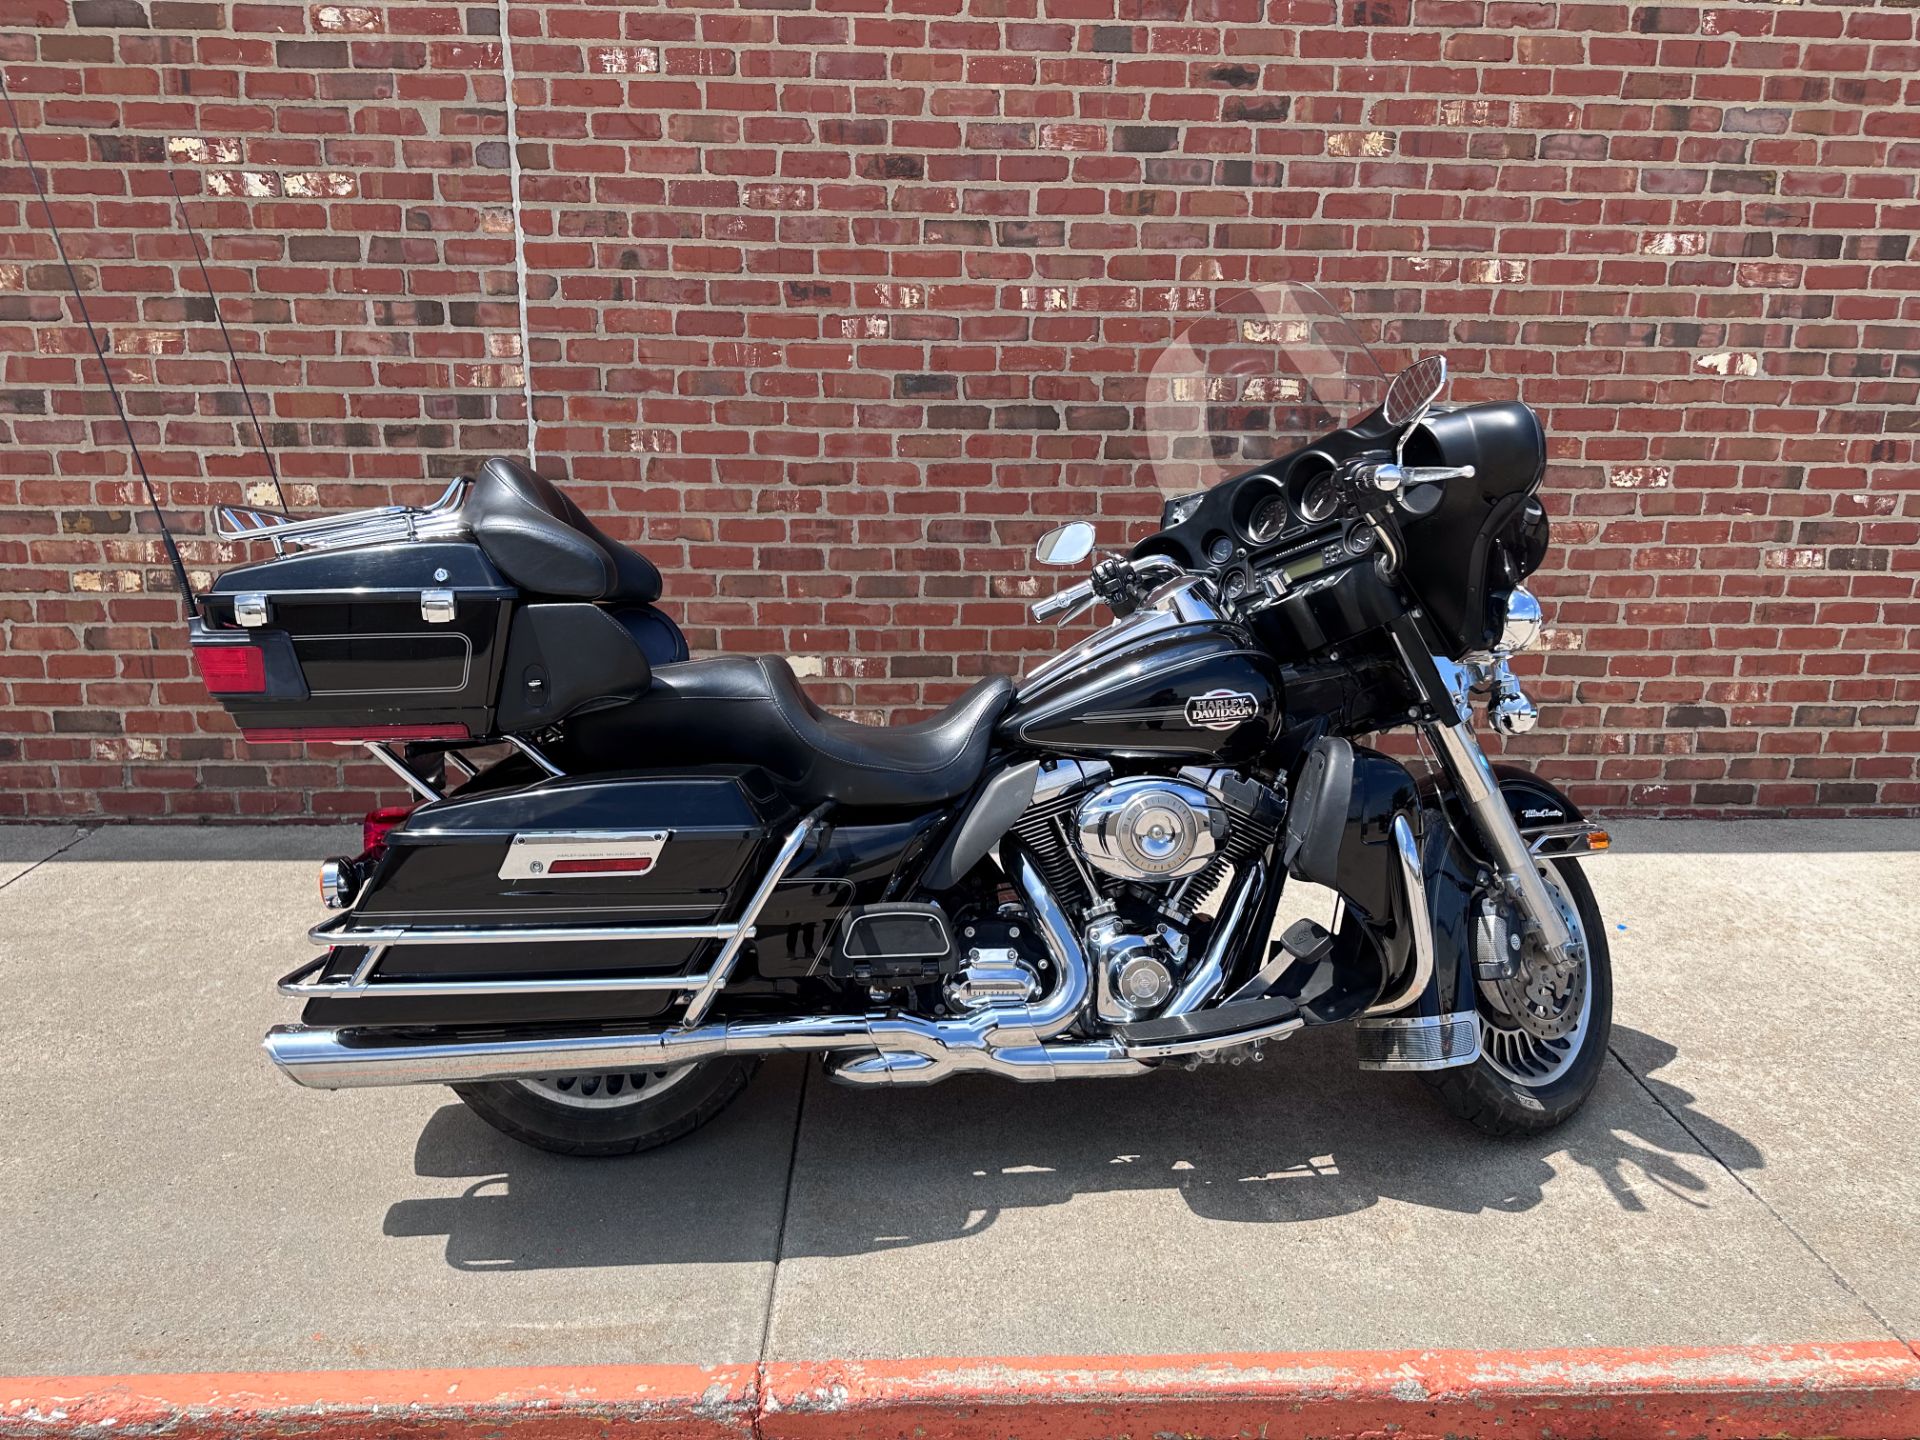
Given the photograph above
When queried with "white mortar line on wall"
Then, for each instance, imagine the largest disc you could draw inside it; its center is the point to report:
(519, 235)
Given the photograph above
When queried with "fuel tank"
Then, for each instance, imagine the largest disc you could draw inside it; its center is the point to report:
(1152, 687)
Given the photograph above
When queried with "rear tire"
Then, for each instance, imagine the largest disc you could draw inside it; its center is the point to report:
(1516, 1088)
(609, 1114)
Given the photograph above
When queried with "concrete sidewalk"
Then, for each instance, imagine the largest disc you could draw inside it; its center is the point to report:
(1744, 1175)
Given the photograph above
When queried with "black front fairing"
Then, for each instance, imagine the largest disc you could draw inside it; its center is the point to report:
(1485, 534)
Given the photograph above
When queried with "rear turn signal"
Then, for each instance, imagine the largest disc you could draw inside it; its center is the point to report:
(1598, 840)
(231, 669)
(339, 882)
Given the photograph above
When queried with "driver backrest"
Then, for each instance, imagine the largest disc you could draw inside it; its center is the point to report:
(545, 544)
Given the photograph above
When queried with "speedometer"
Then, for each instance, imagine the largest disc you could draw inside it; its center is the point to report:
(1320, 499)
(1268, 520)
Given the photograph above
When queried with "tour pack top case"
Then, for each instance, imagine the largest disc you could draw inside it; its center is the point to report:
(499, 607)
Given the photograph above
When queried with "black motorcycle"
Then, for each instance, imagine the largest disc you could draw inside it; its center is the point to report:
(630, 874)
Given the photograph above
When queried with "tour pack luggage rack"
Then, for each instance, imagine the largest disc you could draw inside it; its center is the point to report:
(441, 520)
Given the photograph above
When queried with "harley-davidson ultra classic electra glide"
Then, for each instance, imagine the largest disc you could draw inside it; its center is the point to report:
(673, 867)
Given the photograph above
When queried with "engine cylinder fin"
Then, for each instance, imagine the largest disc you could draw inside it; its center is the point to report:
(1254, 811)
(1041, 834)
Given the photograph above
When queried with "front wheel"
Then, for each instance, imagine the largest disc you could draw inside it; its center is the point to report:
(1544, 1033)
(608, 1114)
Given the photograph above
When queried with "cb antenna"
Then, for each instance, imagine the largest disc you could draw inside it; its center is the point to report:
(99, 352)
(233, 360)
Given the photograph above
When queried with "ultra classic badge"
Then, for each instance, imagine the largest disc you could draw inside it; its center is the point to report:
(1221, 709)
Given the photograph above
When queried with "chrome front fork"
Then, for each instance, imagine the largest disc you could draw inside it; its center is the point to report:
(1459, 751)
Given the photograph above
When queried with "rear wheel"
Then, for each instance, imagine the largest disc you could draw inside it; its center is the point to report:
(608, 1114)
(1544, 1032)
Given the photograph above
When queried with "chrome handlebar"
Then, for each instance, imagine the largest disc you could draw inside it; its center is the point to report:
(1384, 476)
(1393, 478)
(1065, 603)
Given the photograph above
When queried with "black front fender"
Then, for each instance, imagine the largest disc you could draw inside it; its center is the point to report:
(1535, 804)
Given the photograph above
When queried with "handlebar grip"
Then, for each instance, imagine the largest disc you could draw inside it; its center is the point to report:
(1062, 602)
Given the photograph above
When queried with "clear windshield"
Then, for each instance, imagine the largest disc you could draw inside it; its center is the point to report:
(1269, 370)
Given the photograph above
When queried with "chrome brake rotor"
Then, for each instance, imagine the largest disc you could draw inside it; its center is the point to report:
(1533, 1022)
(1541, 996)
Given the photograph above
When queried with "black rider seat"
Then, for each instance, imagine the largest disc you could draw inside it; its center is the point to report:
(546, 545)
(744, 709)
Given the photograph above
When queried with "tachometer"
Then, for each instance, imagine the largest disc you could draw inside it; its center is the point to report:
(1320, 500)
(1268, 521)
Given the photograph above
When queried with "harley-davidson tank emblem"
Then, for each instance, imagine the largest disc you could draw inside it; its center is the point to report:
(1221, 709)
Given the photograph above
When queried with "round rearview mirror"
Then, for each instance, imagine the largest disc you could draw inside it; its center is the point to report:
(1065, 545)
(1414, 390)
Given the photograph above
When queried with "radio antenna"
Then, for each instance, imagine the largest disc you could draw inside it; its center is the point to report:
(99, 352)
(233, 360)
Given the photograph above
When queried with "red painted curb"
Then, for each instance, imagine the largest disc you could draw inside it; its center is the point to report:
(653, 1402)
(1793, 1392)
(1861, 1392)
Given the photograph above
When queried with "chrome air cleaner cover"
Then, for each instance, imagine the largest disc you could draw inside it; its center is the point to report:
(1148, 828)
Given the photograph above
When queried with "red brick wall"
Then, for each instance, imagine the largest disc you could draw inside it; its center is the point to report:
(833, 308)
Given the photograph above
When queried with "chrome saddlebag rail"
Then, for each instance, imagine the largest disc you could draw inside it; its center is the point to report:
(378, 939)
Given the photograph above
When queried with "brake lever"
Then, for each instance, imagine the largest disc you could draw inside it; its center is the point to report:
(1435, 474)
(1392, 478)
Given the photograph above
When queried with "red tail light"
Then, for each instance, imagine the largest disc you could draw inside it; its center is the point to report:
(232, 669)
(373, 829)
(604, 865)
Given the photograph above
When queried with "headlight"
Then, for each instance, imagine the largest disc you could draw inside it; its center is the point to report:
(1524, 621)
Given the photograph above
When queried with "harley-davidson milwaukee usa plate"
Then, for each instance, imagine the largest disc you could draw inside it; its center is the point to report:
(1221, 709)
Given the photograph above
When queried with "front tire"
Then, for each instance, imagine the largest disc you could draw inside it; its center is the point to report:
(1522, 1085)
(616, 1114)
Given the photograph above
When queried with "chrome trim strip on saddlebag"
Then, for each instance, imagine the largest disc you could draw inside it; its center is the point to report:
(581, 854)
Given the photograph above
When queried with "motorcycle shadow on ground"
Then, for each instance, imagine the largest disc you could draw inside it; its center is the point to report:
(1300, 1138)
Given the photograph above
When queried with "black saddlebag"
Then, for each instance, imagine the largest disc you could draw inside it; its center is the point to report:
(639, 850)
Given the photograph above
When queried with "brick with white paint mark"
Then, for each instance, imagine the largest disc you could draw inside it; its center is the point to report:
(320, 184)
(625, 60)
(1045, 297)
(204, 149)
(1796, 558)
(1728, 362)
(1640, 477)
(1673, 242)
(346, 19)
(1496, 272)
